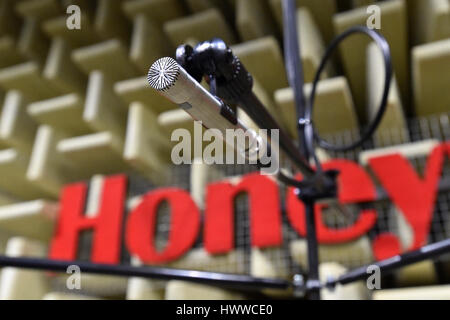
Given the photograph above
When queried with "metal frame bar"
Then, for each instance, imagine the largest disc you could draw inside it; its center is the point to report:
(235, 281)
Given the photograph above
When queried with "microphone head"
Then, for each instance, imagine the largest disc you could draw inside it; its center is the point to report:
(163, 74)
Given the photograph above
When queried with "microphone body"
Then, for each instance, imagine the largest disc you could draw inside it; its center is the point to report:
(176, 84)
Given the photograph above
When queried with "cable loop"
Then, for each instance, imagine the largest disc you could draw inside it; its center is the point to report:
(384, 47)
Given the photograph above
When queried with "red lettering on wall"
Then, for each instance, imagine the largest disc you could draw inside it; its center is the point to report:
(106, 224)
(386, 245)
(264, 211)
(414, 196)
(354, 185)
(184, 226)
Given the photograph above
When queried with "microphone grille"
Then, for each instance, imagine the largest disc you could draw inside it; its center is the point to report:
(163, 73)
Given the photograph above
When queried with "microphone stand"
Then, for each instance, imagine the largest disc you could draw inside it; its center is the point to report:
(230, 81)
(306, 193)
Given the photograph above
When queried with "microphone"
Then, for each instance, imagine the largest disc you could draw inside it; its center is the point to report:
(176, 84)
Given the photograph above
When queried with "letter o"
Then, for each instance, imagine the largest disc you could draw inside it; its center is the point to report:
(184, 226)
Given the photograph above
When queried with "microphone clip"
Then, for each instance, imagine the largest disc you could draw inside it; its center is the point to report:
(222, 70)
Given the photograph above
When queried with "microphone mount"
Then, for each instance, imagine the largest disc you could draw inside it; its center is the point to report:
(222, 70)
(231, 83)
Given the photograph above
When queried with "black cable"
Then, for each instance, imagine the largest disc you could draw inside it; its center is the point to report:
(384, 47)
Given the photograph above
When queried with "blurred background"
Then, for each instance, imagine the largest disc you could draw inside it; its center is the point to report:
(75, 106)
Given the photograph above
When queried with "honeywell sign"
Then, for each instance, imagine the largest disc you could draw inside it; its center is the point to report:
(412, 194)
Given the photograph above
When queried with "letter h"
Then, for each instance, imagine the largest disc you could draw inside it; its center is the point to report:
(106, 224)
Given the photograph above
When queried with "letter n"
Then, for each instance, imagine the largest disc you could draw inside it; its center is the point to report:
(106, 224)
(265, 215)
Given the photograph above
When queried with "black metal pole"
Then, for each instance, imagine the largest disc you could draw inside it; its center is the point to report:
(294, 70)
(233, 281)
(313, 282)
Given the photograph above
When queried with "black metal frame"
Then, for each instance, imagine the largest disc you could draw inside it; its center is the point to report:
(234, 281)
(227, 280)
(230, 81)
